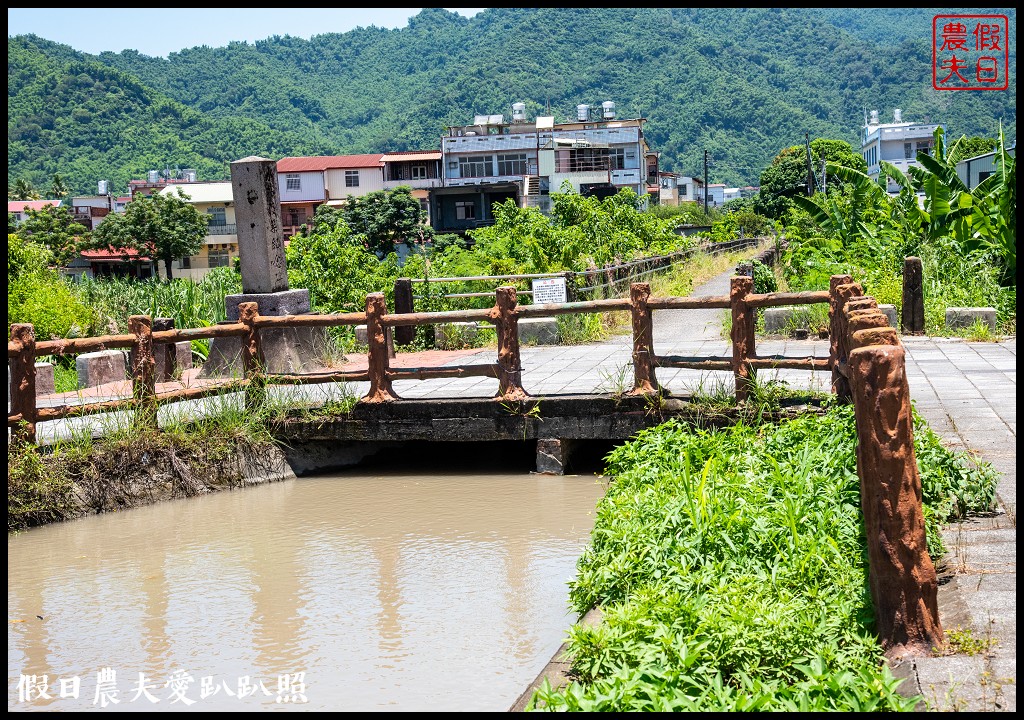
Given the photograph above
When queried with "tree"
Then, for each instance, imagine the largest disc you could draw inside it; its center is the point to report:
(161, 226)
(337, 271)
(975, 145)
(58, 188)
(55, 228)
(384, 218)
(786, 177)
(22, 190)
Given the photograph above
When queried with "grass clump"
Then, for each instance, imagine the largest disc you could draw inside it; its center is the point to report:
(732, 571)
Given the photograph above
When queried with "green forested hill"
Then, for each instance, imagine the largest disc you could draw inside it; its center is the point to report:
(741, 83)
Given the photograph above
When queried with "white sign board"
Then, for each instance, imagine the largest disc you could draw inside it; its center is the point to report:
(549, 290)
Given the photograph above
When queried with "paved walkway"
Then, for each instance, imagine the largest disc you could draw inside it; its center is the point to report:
(966, 391)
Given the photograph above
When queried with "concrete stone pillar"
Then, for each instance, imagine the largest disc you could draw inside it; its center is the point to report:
(258, 219)
(553, 455)
(264, 280)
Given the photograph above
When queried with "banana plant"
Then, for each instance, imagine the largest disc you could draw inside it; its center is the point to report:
(843, 217)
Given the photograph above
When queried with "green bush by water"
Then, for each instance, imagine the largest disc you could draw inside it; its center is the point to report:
(731, 569)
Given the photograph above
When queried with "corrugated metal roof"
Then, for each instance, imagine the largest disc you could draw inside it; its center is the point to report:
(327, 162)
(411, 156)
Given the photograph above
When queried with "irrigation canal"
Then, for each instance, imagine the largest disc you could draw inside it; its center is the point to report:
(391, 587)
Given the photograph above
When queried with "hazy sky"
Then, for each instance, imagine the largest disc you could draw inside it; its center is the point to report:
(161, 31)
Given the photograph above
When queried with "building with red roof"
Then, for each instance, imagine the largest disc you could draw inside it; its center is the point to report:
(306, 183)
(20, 208)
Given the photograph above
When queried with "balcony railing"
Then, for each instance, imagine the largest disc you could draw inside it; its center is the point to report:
(222, 229)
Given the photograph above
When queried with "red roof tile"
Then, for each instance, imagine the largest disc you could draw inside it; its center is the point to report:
(111, 254)
(15, 206)
(328, 162)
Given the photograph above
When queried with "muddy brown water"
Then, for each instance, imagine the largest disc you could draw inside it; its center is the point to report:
(364, 590)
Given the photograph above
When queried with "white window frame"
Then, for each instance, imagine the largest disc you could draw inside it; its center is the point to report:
(465, 210)
(219, 215)
(351, 178)
(293, 181)
(419, 172)
(513, 164)
(218, 257)
(475, 166)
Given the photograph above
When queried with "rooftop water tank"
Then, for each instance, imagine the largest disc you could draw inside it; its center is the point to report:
(897, 115)
(583, 113)
(518, 112)
(874, 117)
(102, 187)
(608, 109)
(153, 176)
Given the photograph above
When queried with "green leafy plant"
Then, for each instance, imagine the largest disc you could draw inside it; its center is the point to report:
(730, 568)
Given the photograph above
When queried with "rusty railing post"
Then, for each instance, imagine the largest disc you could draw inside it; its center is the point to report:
(253, 362)
(143, 371)
(838, 335)
(742, 334)
(901, 575)
(912, 312)
(23, 382)
(404, 334)
(571, 292)
(836, 345)
(643, 340)
(506, 321)
(377, 354)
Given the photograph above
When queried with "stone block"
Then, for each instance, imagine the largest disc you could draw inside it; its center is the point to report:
(100, 368)
(890, 315)
(964, 317)
(553, 455)
(45, 379)
(286, 302)
(455, 336)
(258, 218)
(538, 331)
(775, 318)
(171, 359)
(293, 350)
(361, 335)
(180, 361)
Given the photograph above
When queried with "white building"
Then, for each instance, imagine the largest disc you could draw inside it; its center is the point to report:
(496, 159)
(691, 189)
(975, 169)
(220, 246)
(898, 143)
(716, 195)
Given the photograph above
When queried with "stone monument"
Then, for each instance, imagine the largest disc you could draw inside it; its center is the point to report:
(264, 280)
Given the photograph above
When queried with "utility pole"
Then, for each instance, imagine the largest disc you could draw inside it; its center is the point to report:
(823, 174)
(705, 182)
(810, 169)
